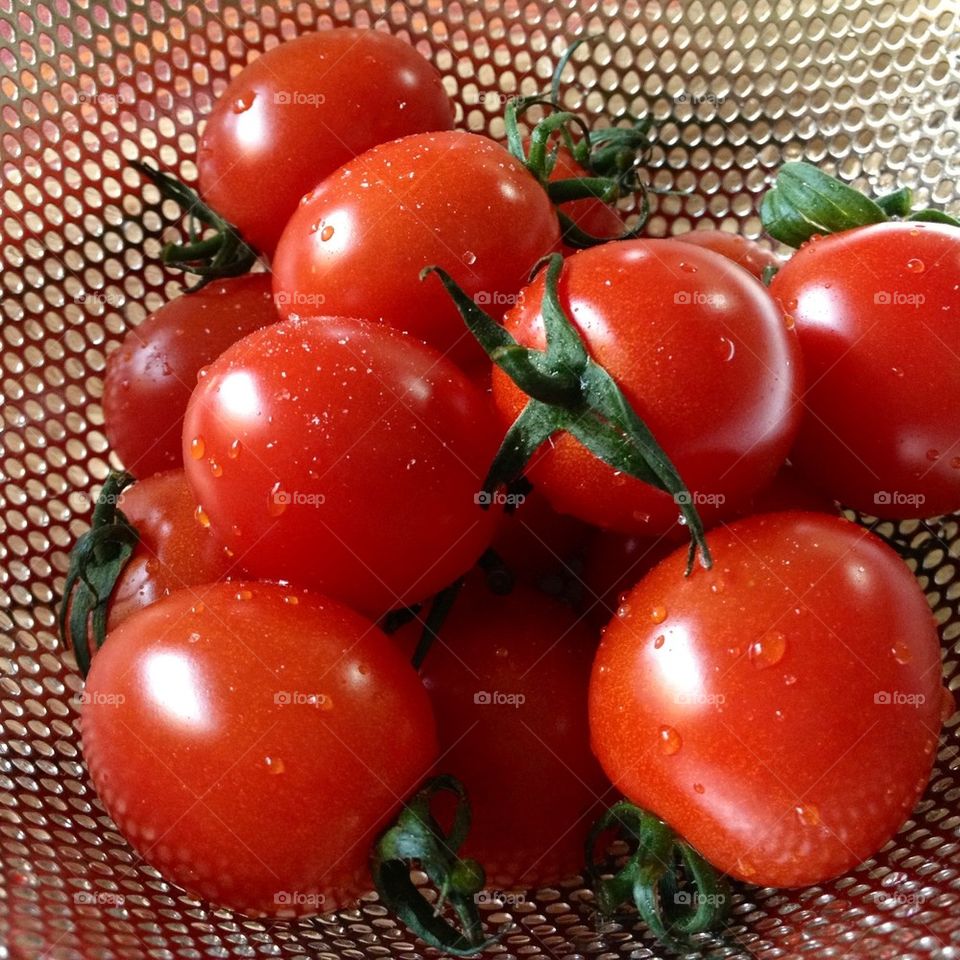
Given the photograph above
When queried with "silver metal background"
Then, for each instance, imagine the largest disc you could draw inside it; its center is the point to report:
(868, 88)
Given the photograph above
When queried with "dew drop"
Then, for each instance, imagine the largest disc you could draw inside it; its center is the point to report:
(955, 463)
(197, 448)
(623, 610)
(901, 653)
(200, 515)
(915, 266)
(198, 607)
(326, 233)
(194, 637)
(948, 706)
(244, 102)
(152, 565)
(273, 764)
(791, 304)
(469, 258)
(789, 320)
(244, 595)
(768, 650)
(215, 468)
(227, 552)
(279, 498)
(687, 267)
(233, 451)
(324, 702)
(670, 741)
(807, 814)
(291, 599)
(789, 679)
(658, 614)
(659, 642)
(502, 653)
(897, 371)
(727, 349)
(699, 788)
(933, 455)
(363, 669)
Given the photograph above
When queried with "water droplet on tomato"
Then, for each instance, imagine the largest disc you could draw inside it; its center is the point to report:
(324, 702)
(902, 653)
(197, 448)
(273, 764)
(659, 642)
(215, 468)
(658, 614)
(200, 515)
(227, 552)
(789, 320)
(687, 267)
(279, 498)
(699, 788)
(623, 610)
(233, 451)
(955, 463)
(933, 455)
(244, 595)
(198, 607)
(948, 706)
(768, 650)
(469, 258)
(915, 266)
(896, 371)
(152, 565)
(789, 679)
(244, 102)
(808, 814)
(326, 233)
(791, 304)
(670, 741)
(727, 349)
(363, 669)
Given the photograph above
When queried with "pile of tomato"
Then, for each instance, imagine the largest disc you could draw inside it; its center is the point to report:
(405, 549)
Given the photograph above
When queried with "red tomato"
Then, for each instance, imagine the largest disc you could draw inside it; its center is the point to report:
(250, 744)
(878, 316)
(742, 250)
(175, 549)
(701, 353)
(304, 108)
(344, 456)
(508, 682)
(781, 710)
(150, 377)
(357, 244)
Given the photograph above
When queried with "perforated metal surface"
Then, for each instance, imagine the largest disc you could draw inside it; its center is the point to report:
(868, 88)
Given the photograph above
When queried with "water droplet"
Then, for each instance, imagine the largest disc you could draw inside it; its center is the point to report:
(933, 455)
(659, 642)
(502, 653)
(215, 468)
(279, 498)
(194, 637)
(915, 266)
(291, 599)
(789, 679)
(948, 706)
(623, 610)
(326, 233)
(244, 595)
(200, 515)
(233, 451)
(717, 586)
(152, 565)
(244, 102)
(227, 552)
(363, 669)
(807, 814)
(901, 652)
(197, 448)
(324, 702)
(658, 614)
(791, 304)
(727, 349)
(896, 371)
(273, 764)
(789, 320)
(687, 267)
(955, 463)
(198, 607)
(469, 258)
(670, 741)
(768, 650)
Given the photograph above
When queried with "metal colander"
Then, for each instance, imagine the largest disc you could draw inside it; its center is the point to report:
(866, 88)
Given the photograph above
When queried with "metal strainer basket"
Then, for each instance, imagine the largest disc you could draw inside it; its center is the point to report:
(868, 88)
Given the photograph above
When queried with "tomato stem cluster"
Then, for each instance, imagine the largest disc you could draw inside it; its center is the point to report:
(571, 392)
(652, 877)
(417, 837)
(96, 562)
(224, 253)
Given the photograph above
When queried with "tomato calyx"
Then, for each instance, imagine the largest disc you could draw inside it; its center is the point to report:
(571, 392)
(222, 253)
(96, 562)
(440, 608)
(611, 157)
(805, 202)
(677, 893)
(417, 837)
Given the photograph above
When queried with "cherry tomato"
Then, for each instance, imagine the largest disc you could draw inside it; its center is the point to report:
(876, 310)
(343, 456)
(701, 353)
(357, 244)
(742, 250)
(781, 710)
(508, 683)
(250, 742)
(301, 110)
(175, 549)
(150, 377)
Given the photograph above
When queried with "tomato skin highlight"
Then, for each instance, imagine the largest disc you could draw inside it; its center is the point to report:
(150, 377)
(701, 353)
(206, 750)
(534, 785)
(175, 549)
(348, 459)
(786, 722)
(355, 247)
(301, 110)
(884, 394)
(741, 250)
